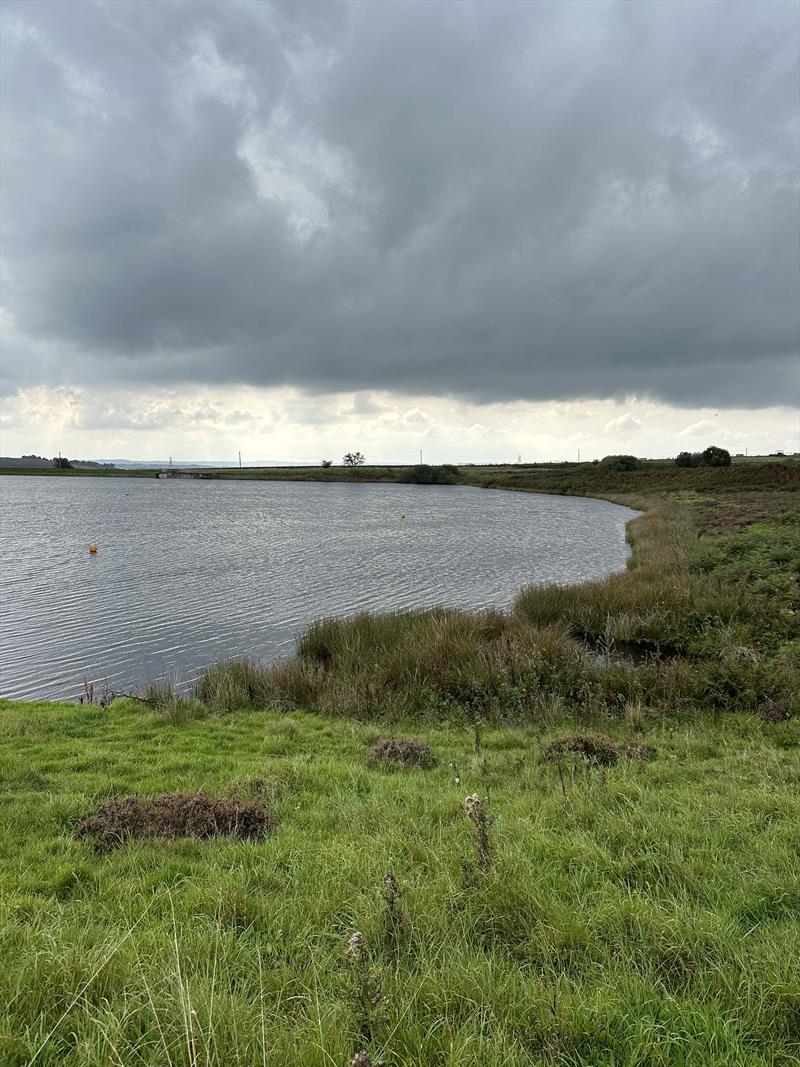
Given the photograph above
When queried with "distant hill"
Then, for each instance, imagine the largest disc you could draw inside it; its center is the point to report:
(39, 462)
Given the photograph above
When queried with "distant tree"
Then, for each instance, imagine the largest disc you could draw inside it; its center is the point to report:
(62, 463)
(327, 463)
(620, 463)
(709, 457)
(713, 456)
(354, 459)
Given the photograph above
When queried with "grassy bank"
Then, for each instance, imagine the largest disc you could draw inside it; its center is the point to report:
(77, 472)
(646, 913)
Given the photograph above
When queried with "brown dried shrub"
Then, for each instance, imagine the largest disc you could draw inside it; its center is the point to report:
(594, 748)
(637, 750)
(775, 710)
(401, 752)
(175, 815)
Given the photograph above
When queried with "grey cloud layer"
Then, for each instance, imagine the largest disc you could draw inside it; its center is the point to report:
(491, 200)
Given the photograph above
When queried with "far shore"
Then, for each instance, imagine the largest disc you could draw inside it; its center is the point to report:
(655, 478)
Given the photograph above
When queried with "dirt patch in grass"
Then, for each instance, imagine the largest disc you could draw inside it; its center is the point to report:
(175, 815)
(401, 752)
(594, 748)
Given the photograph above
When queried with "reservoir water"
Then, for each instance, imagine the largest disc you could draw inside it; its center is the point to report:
(191, 572)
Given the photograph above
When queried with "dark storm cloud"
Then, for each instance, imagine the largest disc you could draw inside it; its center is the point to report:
(491, 200)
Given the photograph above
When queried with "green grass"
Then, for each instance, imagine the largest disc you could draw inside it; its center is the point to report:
(650, 916)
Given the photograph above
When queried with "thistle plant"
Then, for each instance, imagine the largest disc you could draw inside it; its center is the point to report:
(366, 989)
(394, 921)
(479, 817)
(357, 946)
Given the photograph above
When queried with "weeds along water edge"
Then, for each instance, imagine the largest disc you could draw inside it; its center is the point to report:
(709, 620)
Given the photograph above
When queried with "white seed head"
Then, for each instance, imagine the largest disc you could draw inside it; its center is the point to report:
(356, 946)
(361, 1059)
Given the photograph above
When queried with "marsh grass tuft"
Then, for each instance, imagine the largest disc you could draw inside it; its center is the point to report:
(171, 705)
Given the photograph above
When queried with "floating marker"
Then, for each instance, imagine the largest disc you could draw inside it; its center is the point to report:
(92, 550)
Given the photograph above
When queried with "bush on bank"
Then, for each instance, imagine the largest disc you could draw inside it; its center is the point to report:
(425, 474)
(713, 456)
(621, 463)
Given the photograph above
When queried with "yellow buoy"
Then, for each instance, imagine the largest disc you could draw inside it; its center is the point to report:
(92, 550)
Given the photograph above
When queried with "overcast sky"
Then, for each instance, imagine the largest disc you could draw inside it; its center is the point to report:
(483, 230)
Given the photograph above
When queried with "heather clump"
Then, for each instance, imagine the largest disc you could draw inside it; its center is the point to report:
(401, 752)
(594, 748)
(175, 815)
(775, 710)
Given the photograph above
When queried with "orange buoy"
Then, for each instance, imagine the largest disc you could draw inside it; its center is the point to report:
(92, 550)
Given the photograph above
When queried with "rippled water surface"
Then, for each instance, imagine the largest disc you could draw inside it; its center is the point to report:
(190, 572)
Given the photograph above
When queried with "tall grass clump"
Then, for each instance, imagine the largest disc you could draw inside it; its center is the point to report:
(164, 696)
(441, 664)
(235, 684)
